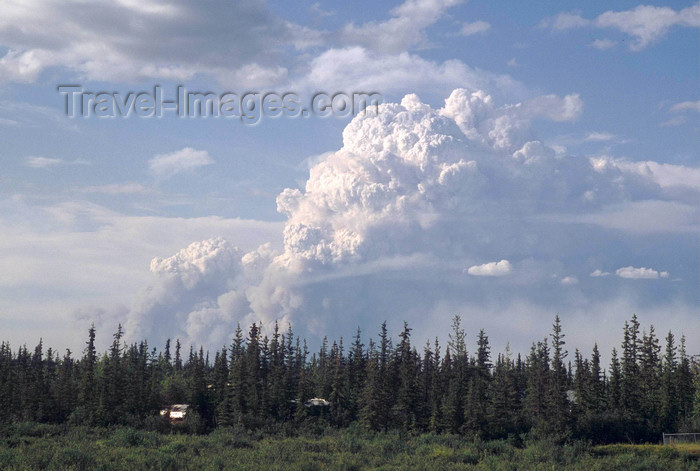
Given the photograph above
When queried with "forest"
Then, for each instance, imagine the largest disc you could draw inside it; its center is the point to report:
(264, 383)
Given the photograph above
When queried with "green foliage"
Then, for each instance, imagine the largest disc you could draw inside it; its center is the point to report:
(53, 448)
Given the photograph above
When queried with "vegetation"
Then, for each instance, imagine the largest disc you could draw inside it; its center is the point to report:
(263, 384)
(52, 447)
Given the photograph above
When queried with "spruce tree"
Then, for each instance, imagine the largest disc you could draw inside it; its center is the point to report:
(405, 407)
(614, 390)
(597, 384)
(477, 396)
(88, 383)
(650, 380)
(370, 411)
(669, 395)
(538, 385)
(357, 365)
(629, 384)
(504, 398)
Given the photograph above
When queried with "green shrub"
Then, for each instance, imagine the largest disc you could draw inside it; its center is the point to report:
(74, 457)
(129, 437)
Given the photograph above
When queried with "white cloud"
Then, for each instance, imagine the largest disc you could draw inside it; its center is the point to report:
(501, 268)
(42, 162)
(599, 273)
(187, 159)
(320, 12)
(675, 121)
(565, 21)
(645, 24)
(569, 280)
(118, 189)
(555, 108)
(405, 29)
(640, 273)
(477, 27)
(599, 136)
(360, 69)
(665, 175)
(46, 162)
(505, 127)
(603, 44)
(686, 106)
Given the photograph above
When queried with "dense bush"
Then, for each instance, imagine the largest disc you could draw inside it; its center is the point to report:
(124, 448)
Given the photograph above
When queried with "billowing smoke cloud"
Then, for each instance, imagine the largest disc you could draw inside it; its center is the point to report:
(199, 293)
(385, 226)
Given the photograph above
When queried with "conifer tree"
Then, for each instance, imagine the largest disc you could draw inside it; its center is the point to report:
(538, 379)
(88, 384)
(504, 397)
(649, 379)
(684, 381)
(477, 398)
(669, 395)
(437, 389)
(596, 385)
(629, 384)
(405, 407)
(370, 411)
(457, 378)
(557, 400)
(357, 365)
(252, 381)
(339, 413)
(614, 391)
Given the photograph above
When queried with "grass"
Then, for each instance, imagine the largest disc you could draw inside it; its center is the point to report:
(688, 451)
(34, 447)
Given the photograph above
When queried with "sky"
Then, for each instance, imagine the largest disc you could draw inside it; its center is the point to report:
(527, 160)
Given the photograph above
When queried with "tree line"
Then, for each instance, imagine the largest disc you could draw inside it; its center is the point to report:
(262, 381)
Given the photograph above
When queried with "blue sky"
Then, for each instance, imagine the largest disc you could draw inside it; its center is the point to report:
(561, 176)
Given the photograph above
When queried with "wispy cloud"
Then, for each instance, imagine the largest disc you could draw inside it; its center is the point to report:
(686, 106)
(604, 44)
(41, 162)
(675, 121)
(46, 162)
(477, 27)
(119, 189)
(184, 160)
(564, 21)
(645, 24)
(599, 136)
(403, 31)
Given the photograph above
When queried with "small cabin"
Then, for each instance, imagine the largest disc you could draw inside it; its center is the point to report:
(175, 412)
(317, 402)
